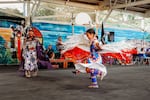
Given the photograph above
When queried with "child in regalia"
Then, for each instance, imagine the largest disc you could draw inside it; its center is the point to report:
(94, 64)
(30, 55)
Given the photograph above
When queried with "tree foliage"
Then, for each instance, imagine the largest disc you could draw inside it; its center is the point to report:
(44, 12)
(10, 10)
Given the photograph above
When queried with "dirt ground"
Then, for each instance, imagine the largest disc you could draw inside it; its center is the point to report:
(121, 83)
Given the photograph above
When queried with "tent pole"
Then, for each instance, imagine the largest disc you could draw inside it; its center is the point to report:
(72, 22)
(28, 13)
(97, 21)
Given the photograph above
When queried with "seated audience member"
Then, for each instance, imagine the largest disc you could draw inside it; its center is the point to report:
(43, 60)
(142, 56)
(50, 52)
(142, 51)
(59, 45)
(148, 52)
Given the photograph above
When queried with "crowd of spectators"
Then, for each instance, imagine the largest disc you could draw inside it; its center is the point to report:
(141, 56)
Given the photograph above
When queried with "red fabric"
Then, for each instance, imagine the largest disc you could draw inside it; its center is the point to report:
(125, 56)
(19, 48)
(79, 54)
(76, 54)
(132, 51)
(37, 33)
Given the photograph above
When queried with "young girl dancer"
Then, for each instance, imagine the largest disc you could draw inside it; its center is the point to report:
(94, 65)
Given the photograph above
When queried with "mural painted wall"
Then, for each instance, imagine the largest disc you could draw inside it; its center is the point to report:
(52, 31)
(50, 34)
(6, 56)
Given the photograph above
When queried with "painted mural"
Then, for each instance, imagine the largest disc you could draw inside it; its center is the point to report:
(5, 51)
(50, 33)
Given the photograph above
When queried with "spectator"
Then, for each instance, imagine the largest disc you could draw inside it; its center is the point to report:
(59, 45)
(148, 52)
(142, 51)
(142, 56)
(50, 52)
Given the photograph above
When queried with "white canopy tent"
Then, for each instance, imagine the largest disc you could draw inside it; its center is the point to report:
(102, 9)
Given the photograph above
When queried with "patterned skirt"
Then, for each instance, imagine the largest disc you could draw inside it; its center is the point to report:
(30, 60)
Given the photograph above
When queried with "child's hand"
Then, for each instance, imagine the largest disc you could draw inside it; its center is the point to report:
(88, 70)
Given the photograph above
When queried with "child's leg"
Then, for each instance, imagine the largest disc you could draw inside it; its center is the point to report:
(94, 73)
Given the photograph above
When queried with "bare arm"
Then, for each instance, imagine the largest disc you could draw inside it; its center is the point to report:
(98, 46)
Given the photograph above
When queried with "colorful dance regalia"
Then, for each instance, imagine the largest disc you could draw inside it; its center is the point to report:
(30, 55)
(94, 65)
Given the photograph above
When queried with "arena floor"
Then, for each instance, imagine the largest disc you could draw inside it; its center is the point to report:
(121, 83)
